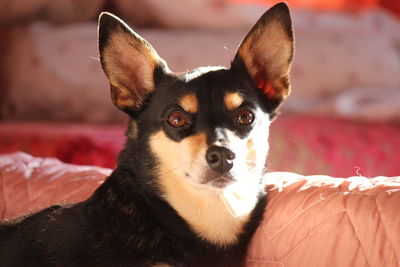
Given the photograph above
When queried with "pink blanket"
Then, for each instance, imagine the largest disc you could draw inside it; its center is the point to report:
(309, 221)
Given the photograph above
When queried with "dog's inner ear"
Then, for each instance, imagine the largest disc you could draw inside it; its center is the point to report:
(267, 52)
(129, 62)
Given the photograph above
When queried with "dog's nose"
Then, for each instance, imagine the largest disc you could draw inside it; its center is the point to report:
(220, 159)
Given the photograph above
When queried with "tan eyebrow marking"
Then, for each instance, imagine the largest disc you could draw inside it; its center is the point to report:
(233, 100)
(189, 103)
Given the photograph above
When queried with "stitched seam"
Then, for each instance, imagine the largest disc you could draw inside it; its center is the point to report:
(312, 231)
(322, 198)
(379, 208)
(321, 224)
(309, 207)
(361, 194)
(356, 235)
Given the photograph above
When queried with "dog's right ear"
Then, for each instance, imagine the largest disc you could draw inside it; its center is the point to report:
(128, 61)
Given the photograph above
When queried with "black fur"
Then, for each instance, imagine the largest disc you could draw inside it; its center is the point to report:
(127, 222)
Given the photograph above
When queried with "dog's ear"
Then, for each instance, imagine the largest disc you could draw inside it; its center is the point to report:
(267, 53)
(128, 61)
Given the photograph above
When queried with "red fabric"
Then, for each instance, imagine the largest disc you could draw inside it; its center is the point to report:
(321, 5)
(342, 148)
(392, 5)
(301, 144)
(336, 5)
(73, 143)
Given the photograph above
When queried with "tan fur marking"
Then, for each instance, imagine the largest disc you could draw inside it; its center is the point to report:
(233, 100)
(196, 143)
(204, 211)
(189, 103)
(251, 154)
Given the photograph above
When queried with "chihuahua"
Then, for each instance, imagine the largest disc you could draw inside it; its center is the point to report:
(187, 190)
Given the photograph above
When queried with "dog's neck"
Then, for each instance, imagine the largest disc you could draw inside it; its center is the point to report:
(218, 218)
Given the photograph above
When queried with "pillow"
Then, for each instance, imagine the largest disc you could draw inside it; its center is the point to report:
(29, 184)
(324, 221)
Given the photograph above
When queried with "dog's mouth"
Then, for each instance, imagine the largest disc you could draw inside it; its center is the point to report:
(221, 182)
(216, 179)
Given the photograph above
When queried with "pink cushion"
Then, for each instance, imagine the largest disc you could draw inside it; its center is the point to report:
(28, 184)
(309, 221)
(324, 221)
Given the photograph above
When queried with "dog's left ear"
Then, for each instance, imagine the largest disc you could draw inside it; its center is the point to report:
(267, 53)
(128, 61)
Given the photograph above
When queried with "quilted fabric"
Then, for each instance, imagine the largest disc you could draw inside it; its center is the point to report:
(28, 184)
(324, 221)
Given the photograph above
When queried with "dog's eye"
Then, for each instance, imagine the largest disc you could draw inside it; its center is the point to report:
(177, 119)
(244, 117)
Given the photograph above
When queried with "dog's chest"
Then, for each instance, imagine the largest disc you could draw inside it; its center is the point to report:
(214, 217)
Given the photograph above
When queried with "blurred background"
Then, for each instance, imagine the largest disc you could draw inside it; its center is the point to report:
(342, 118)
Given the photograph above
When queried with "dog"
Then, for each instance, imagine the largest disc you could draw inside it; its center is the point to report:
(187, 189)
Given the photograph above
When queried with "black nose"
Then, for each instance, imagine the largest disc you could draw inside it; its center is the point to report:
(220, 159)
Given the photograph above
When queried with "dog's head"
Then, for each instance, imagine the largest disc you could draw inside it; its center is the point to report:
(207, 128)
